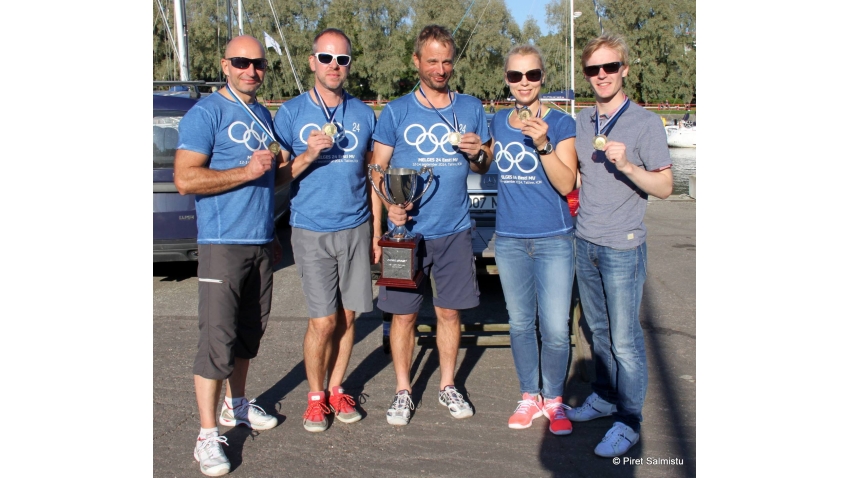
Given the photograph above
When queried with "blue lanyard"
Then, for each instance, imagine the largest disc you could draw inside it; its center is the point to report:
(330, 117)
(451, 103)
(610, 124)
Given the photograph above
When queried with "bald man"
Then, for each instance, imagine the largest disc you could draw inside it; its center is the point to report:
(223, 158)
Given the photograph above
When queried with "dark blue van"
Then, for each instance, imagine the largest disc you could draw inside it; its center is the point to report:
(175, 229)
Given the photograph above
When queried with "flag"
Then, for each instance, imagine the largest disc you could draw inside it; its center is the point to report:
(271, 43)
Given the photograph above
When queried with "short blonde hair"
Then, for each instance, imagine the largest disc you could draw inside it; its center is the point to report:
(614, 42)
(526, 50)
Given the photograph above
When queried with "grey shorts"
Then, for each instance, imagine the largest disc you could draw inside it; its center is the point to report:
(234, 300)
(450, 265)
(335, 269)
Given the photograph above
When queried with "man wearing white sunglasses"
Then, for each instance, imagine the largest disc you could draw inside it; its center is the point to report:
(326, 138)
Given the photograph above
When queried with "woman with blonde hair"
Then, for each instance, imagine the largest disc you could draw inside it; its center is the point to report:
(536, 160)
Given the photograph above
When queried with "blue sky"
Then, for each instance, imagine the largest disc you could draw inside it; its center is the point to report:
(521, 9)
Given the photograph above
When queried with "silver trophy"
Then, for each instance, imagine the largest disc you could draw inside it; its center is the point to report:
(399, 263)
(400, 189)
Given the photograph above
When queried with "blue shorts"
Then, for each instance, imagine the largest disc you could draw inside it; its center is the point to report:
(449, 263)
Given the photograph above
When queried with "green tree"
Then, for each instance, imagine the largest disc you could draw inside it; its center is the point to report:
(380, 33)
(660, 34)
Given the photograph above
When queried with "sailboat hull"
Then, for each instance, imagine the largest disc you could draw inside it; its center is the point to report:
(681, 137)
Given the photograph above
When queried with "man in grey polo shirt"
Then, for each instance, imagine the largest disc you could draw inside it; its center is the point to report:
(223, 158)
(623, 157)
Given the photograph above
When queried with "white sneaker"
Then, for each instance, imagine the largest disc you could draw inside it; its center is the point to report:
(453, 399)
(399, 411)
(246, 414)
(617, 441)
(593, 407)
(210, 455)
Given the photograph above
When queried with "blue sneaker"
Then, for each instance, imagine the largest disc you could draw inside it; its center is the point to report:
(593, 407)
(617, 441)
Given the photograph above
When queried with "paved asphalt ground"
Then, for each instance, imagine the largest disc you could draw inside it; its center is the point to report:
(433, 444)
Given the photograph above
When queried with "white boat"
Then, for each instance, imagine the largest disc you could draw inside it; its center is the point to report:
(683, 135)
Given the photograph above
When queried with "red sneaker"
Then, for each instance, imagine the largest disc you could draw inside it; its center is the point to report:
(528, 409)
(555, 411)
(314, 418)
(343, 405)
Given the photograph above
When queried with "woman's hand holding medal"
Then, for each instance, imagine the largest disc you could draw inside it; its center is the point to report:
(536, 129)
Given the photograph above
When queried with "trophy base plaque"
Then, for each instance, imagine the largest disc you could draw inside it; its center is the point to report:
(399, 264)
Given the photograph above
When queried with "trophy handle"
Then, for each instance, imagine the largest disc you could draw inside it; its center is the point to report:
(377, 169)
(430, 171)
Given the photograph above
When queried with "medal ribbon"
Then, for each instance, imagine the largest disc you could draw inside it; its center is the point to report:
(330, 117)
(610, 124)
(266, 128)
(539, 110)
(451, 103)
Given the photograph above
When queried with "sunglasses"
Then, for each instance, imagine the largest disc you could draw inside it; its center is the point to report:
(242, 63)
(516, 76)
(593, 70)
(327, 58)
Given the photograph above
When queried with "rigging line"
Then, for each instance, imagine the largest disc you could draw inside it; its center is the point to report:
(167, 28)
(286, 48)
(453, 34)
(474, 28)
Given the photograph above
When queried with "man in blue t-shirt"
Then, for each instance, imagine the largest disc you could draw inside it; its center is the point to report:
(623, 157)
(327, 133)
(447, 132)
(223, 158)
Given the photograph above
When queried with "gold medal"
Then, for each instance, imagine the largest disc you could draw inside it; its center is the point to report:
(454, 138)
(524, 113)
(599, 142)
(329, 129)
(274, 147)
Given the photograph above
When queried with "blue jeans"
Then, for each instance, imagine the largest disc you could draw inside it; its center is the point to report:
(537, 280)
(610, 283)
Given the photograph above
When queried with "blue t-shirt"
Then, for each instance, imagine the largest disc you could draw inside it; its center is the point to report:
(224, 131)
(331, 194)
(420, 137)
(529, 206)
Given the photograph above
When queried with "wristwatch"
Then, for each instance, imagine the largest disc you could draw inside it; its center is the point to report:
(480, 158)
(548, 149)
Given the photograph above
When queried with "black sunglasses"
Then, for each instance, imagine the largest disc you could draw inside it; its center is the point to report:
(516, 76)
(593, 70)
(242, 63)
(327, 58)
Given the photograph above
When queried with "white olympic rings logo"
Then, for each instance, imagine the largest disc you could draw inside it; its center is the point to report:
(504, 156)
(249, 133)
(311, 126)
(430, 136)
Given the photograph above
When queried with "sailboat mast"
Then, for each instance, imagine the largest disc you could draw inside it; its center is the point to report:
(182, 38)
(239, 7)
